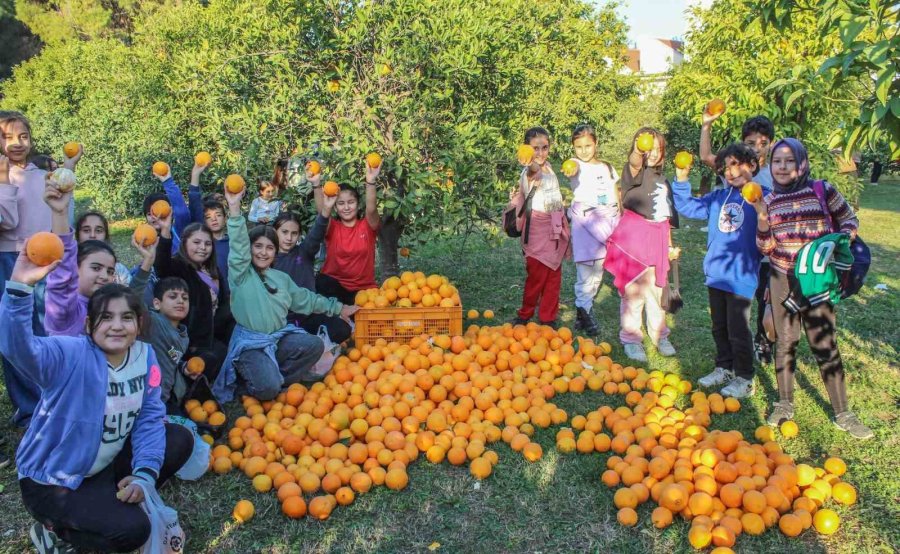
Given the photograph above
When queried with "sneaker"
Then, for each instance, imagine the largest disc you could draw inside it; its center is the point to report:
(719, 376)
(739, 388)
(665, 348)
(46, 541)
(584, 321)
(551, 324)
(635, 352)
(847, 421)
(781, 412)
(518, 321)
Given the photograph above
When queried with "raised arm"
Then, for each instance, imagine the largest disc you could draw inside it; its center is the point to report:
(142, 276)
(312, 242)
(239, 258)
(318, 195)
(706, 154)
(372, 197)
(165, 262)
(181, 217)
(685, 203)
(195, 197)
(61, 298)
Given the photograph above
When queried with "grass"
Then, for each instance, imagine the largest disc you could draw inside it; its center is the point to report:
(559, 504)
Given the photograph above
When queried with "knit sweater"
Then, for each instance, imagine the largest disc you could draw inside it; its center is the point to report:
(796, 218)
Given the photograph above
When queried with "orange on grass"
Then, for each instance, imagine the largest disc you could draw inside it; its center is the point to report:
(753, 524)
(222, 465)
(396, 479)
(700, 536)
(344, 496)
(361, 482)
(234, 183)
(844, 493)
(71, 149)
(288, 490)
(161, 169)
(262, 483)
(789, 429)
(202, 158)
(835, 466)
(791, 525)
(472, 314)
(715, 107)
(294, 507)
(627, 517)
(480, 468)
(754, 502)
(330, 188)
(673, 497)
(661, 517)
(243, 511)
(488, 314)
(320, 507)
(683, 159)
(525, 154)
(625, 498)
(723, 536)
(826, 521)
(532, 452)
(373, 160)
(44, 248)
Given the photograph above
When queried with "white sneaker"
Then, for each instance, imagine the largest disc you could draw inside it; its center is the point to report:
(719, 376)
(739, 388)
(665, 348)
(635, 352)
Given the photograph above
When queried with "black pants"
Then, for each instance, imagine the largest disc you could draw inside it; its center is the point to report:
(330, 287)
(819, 323)
(730, 315)
(91, 517)
(338, 329)
(761, 302)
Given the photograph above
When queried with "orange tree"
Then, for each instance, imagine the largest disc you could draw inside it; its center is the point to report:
(442, 89)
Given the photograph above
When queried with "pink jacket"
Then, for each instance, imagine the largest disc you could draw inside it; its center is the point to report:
(23, 211)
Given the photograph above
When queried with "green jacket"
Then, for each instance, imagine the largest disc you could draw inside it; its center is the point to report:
(252, 304)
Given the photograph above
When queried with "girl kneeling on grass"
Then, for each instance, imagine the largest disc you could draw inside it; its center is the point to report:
(265, 351)
(545, 235)
(787, 220)
(98, 426)
(638, 250)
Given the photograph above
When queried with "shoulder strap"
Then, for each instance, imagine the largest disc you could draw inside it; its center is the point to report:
(819, 189)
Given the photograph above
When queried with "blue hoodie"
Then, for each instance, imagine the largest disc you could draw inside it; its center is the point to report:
(732, 258)
(63, 440)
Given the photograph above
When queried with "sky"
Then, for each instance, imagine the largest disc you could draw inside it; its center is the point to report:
(657, 18)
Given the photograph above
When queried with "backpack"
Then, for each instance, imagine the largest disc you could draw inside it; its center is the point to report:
(519, 206)
(853, 279)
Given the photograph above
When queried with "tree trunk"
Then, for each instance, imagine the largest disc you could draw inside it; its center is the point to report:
(388, 240)
(705, 182)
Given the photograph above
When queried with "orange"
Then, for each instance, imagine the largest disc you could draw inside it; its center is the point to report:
(202, 158)
(234, 183)
(320, 507)
(71, 149)
(525, 154)
(715, 107)
(344, 496)
(288, 490)
(161, 169)
(790, 525)
(805, 475)
(532, 452)
(569, 168)
(789, 429)
(673, 497)
(625, 498)
(373, 160)
(44, 248)
(751, 192)
(472, 314)
(826, 521)
(753, 524)
(243, 511)
(262, 483)
(699, 536)
(145, 235)
(723, 536)
(488, 314)
(294, 507)
(844, 493)
(396, 479)
(683, 159)
(195, 365)
(700, 503)
(313, 167)
(661, 517)
(480, 468)
(754, 502)
(330, 188)
(216, 419)
(645, 142)
(404, 252)
(835, 466)
(222, 465)
(627, 517)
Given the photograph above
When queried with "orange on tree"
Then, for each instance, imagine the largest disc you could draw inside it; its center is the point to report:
(44, 248)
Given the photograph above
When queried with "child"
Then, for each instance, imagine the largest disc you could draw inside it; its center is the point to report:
(169, 338)
(639, 250)
(85, 267)
(209, 320)
(788, 219)
(758, 133)
(265, 208)
(94, 226)
(349, 242)
(215, 220)
(545, 236)
(731, 265)
(22, 213)
(266, 352)
(98, 429)
(297, 259)
(594, 214)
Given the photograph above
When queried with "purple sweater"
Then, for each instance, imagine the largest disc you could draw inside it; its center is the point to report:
(23, 211)
(65, 307)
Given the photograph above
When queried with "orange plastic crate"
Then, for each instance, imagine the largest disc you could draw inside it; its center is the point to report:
(402, 324)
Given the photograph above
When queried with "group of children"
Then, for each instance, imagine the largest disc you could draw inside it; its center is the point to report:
(96, 354)
(622, 224)
(249, 303)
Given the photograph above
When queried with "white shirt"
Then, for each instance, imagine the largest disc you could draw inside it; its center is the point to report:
(595, 184)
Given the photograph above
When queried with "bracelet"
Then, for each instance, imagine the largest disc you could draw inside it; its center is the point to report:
(370, 184)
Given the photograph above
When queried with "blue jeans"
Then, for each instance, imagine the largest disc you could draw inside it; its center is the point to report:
(23, 392)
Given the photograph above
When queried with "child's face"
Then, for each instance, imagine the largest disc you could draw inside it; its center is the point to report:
(173, 305)
(784, 166)
(199, 247)
(95, 270)
(267, 193)
(263, 253)
(215, 220)
(760, 144)
(15, 142)
(541, 145)
(347, 206)
(737, 174)
(288, 234)
(91, 229)
(654, 157)
(117, 327)
(153, 221)
(585, 148)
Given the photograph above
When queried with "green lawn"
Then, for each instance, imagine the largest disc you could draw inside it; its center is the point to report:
(559, 504)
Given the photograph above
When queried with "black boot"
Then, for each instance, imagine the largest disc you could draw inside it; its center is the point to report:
(584, 321)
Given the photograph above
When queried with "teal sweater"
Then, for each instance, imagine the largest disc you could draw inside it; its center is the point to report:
(252, 304)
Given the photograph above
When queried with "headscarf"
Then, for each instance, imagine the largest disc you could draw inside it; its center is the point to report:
(802, 159)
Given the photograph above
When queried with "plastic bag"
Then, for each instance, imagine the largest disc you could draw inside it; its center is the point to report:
(331, 353)
(166, 534)
(198, 463)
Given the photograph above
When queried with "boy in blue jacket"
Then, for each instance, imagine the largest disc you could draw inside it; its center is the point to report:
(98, 427)
(731, 265)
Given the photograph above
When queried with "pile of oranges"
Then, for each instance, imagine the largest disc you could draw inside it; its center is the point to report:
(451, 398)
(205, 412)
(411, 290)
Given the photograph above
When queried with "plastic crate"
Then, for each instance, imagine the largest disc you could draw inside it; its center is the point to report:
(402, 324)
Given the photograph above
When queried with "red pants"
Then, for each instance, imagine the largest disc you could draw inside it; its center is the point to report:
(541, 283)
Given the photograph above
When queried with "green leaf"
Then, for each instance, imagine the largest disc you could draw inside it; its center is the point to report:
(883, 85)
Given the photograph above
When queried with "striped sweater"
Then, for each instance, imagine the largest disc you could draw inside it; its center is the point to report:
(796, 218)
